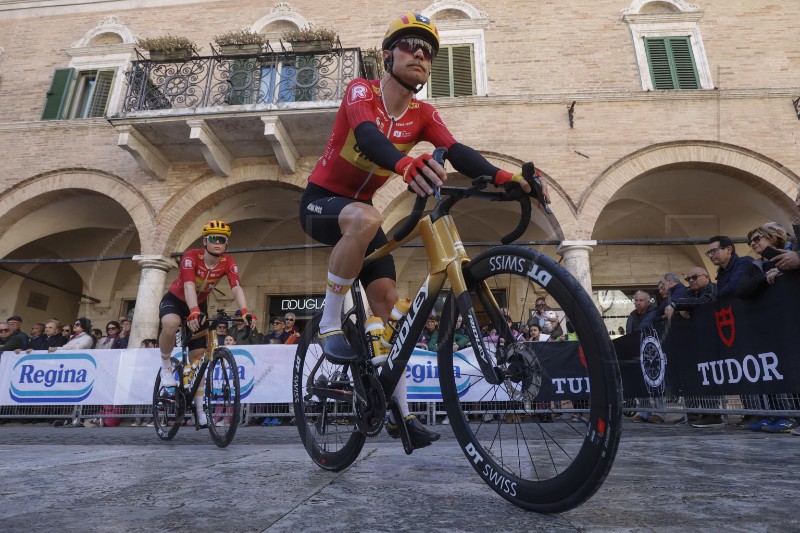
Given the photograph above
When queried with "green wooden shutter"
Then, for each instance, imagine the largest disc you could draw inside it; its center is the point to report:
(101, 93)
(452, 72)
(440, 74)
(57, 95)
(671, 63)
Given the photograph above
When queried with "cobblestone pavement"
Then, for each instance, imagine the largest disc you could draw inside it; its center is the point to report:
(666, 478)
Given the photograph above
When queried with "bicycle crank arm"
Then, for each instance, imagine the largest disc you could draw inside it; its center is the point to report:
(330, 394)
(405, 438)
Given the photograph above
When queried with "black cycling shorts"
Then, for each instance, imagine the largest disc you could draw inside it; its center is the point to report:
(172, 305)
(319, 216)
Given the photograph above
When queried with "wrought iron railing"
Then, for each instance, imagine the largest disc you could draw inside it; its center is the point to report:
(266, 78)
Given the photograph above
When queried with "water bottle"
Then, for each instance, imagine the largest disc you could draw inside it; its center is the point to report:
(187, 375)
(375, 329)
(399, 312)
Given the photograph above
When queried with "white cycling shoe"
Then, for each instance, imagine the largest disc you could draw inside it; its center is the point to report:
(168, 378)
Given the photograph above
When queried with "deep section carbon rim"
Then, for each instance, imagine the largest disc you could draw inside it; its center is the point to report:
(223, 397)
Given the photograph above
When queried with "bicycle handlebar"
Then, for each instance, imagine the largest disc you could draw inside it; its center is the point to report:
(512, 191)
(221, 318)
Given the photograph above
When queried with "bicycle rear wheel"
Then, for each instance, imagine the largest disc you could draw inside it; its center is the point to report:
(324, 408)
(222, 398)
(546, 436)
(169, 406)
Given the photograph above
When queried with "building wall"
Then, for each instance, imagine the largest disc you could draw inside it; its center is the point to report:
(541, 56)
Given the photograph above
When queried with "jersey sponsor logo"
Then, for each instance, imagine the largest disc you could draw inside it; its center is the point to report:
(401, 134)
(438, 118)
(359, 92)
(188, 263)
(235, 269)
(314, 208)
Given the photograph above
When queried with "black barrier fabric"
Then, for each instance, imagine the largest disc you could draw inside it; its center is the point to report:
(727, 347)
(564, 376)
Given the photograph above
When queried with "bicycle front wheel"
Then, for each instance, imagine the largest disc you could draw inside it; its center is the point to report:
(545, 437)
(223, 397)
(324, 411)
(169, 406)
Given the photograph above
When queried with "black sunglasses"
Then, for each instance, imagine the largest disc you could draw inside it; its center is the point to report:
(410, 45)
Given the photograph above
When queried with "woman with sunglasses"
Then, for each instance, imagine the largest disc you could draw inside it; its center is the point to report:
(111, 339)
(377, 125)
(768, 241)
(200, 271)
(80, 338)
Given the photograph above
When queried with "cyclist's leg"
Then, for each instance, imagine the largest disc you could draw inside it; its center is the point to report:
(194, 356)
(170, 312)
(382, 295)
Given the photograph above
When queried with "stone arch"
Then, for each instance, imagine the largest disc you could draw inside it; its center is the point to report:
(108, 25)
(442, 6)
(641, 6)
(34, 192)
(770, 177)
(281, 12)
(174, 219)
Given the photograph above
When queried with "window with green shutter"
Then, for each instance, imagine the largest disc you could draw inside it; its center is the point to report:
(671, 63)
(57, 95)
(87, 93)
(452, 72)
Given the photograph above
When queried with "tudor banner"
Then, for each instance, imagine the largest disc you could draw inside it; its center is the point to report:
(727, 347)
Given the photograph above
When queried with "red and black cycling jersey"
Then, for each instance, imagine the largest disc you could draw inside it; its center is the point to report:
(193, 268)
(343, 169)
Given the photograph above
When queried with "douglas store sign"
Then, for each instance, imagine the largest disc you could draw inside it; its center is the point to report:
(302, 305)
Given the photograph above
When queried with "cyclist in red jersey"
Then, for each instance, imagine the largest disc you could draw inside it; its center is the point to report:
(200, 271)
(377, 125)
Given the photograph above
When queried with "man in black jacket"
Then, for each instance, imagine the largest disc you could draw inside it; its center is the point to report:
(737, 276)
(701, 290)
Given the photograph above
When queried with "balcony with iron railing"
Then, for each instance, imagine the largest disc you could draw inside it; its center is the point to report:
(221, 108)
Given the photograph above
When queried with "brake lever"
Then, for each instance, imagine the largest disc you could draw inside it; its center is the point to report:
(529, 173)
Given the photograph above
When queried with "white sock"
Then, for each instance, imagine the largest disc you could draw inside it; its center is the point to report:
(400, 395)
(334, 302)
(165, 363)
(202, 419)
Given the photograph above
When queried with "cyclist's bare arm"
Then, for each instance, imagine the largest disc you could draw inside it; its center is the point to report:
(190, 294)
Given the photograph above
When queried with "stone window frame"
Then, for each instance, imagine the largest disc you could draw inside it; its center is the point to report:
(682, 22)
(467, 31)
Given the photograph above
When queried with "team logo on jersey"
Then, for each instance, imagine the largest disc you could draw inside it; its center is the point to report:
(235, 269)
(438, 119)
(360, 92)
(188, 263)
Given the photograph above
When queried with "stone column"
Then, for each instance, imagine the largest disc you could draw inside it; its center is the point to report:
(576, 261)
(151, 289)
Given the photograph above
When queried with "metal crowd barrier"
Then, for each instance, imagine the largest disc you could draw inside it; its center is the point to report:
(766, 405)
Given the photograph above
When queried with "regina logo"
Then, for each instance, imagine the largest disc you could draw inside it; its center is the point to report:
(51, 378)
(246, 367)
(422, 375)
(726, 327)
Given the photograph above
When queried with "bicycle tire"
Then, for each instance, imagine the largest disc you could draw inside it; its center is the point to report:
(544, 459)
(327, 428)
(222, 397)
(168, 410)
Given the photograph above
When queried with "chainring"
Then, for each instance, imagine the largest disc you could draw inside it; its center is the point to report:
(370, 418)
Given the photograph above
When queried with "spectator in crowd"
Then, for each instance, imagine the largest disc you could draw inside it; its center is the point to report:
(460, 335)
(552, 325)
(80, 339)
(124, 334)
(515, 333)
(536, 335)
(15, 323)
(9, 340)
(768, 241)
(430, 334)
(621, 330)
(240, 331)
(38, 339)
(222, 332)
(294, 332)
(96, 334)
(491, 334)
(66, 332)
(279, 333)
(53, 336)
(149, 343)
(111, 339)
(737, 276)
(701, 290)
(538, 315)
(643, 314)
(674, 289)
(230, 340)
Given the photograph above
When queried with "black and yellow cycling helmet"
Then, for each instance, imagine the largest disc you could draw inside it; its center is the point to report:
(412, 24)
(216, 227)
